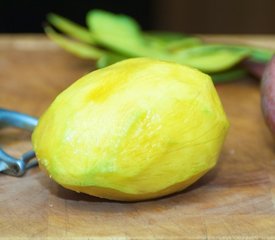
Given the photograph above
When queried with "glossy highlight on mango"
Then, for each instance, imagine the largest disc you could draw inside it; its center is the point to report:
(138, 129)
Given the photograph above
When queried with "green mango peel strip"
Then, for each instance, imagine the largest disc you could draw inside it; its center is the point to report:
(79, 49)
(71, 28)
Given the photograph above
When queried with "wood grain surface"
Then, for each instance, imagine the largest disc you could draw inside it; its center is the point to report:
(236, 200)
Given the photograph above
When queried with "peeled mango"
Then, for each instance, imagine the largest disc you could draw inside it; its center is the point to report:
(138, 129)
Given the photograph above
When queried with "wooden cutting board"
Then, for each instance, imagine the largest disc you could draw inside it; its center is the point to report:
(235, 200)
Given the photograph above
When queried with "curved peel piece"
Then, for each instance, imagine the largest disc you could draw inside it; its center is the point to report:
(71, 28)
(108, 59)
(228, 76)
(79, 49)
(170, 41)
(212, 58)
(118, 32)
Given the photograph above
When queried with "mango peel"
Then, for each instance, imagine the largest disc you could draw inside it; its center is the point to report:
(138, 129)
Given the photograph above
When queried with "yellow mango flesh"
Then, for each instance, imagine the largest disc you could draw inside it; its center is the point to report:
(136, 130)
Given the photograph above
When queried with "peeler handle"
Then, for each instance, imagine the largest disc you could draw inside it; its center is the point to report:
(8, 164)
(15, 119)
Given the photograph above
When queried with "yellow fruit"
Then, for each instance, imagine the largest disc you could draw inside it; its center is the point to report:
(136, 130)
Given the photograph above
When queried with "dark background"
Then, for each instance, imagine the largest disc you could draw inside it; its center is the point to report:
(191, 16)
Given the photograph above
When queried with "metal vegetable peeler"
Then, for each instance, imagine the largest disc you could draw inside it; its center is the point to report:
(9, 164)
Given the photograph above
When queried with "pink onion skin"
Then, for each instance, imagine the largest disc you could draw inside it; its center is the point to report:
(268, 95)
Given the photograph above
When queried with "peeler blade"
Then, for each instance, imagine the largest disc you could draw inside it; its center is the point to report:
(3, 166)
